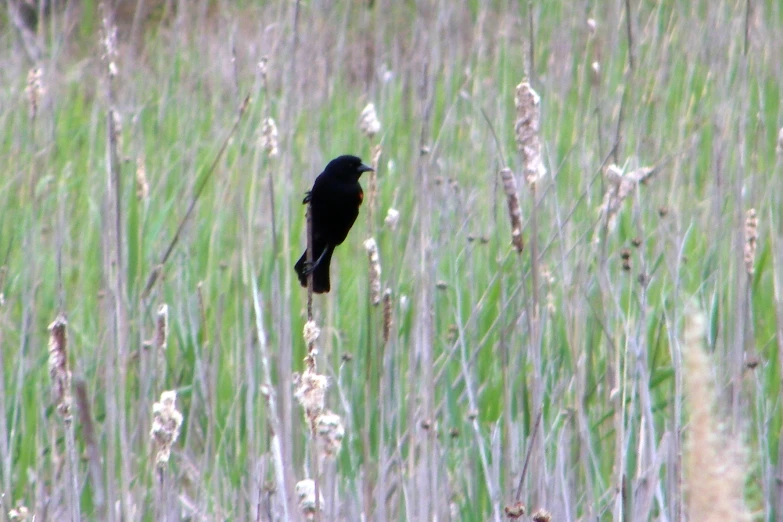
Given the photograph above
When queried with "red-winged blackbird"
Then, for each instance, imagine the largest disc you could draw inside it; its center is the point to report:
(335, 198)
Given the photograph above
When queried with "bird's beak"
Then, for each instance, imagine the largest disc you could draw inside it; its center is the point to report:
(364, 168)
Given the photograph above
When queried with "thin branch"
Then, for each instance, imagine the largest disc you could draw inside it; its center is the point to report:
(153, 277)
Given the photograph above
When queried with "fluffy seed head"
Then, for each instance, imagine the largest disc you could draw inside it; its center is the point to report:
(35, 89)
(330, 430)
(311, 392)
(392, 217)
(542, 515)
(526, 128)
(368, 121)
(58, 366)
(375, 270)
(305, 492)
(166, 423)
(268, 139)
(311, 332)
(20, 513)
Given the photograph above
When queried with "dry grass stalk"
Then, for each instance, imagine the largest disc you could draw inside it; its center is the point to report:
(35, 90)
(368, 121)
(142, 185)
(305, 492)
(714, 477)
(166, 423)
(109, 45)
(58, 366)
(514, 211)
(387, 314)
(620, 185)
(526, 128)
(751, 236)
(268, 141)
(375, 271)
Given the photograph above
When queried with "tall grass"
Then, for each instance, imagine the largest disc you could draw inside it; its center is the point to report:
(441, 389)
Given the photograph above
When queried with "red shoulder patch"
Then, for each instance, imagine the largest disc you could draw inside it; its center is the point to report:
(361, 196)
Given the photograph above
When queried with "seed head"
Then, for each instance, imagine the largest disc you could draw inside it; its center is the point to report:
(58, 366)
(166, 423)
(387, 314)
(368, 121)
(528, 104)
(305, 492)
(311, 332)
(514, 212)
(375, 270)
(311, 392)
(330, 430)
(35, 89)
(392, 217)
(268, 139)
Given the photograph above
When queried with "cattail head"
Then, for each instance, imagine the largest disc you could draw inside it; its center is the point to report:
(166, 423)
(35, 89)
(268, 139)
(311, 392)
(330, 431)
(311, 332)
(19, 513)
(368, 121)
(375, 270)
(751, 236)
(305, 492)
(542, 515)
(58, 366)
(162, 327)
(142, 185)
(515, 510)
(713, 474)
(514, 211)
(526, 128)
(387, 314)
(392, 217)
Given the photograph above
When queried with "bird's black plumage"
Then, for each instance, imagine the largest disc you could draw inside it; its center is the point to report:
(335, 198)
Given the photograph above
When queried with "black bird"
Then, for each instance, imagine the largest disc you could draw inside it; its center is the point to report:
(335, 198)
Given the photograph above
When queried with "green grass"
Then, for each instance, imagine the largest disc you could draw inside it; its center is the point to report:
(607, 370)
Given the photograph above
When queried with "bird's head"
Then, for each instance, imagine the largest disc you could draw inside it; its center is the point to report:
(347, 167)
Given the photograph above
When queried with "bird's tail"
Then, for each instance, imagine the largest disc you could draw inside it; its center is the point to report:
(321, 273)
